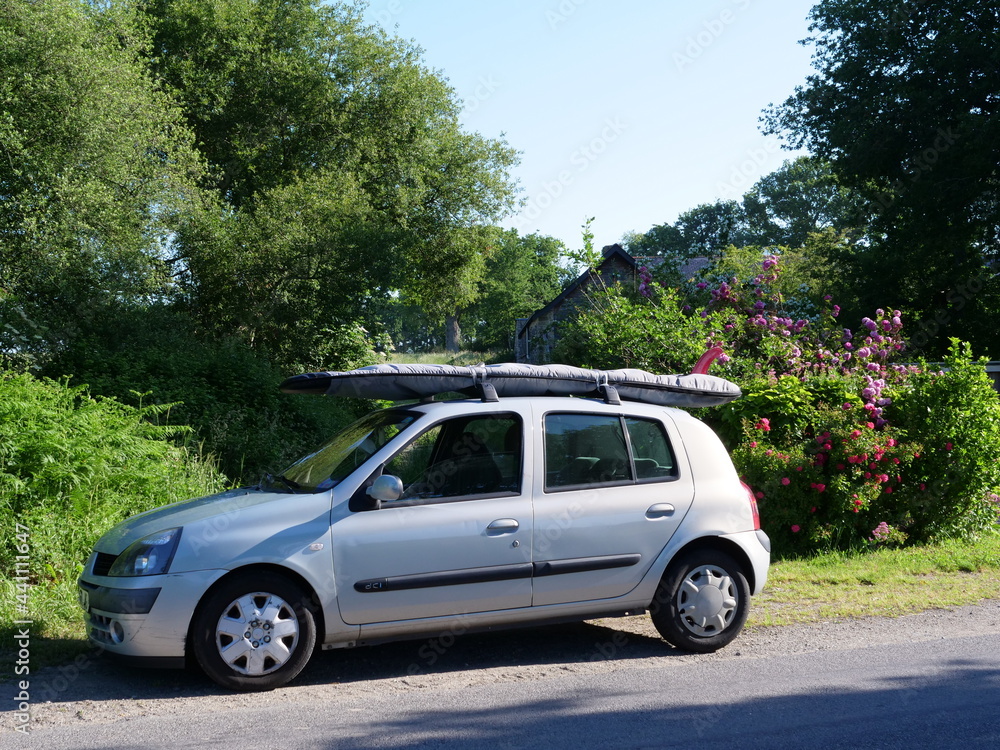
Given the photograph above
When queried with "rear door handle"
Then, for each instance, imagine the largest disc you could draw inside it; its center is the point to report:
(660, 510)
(503, 526)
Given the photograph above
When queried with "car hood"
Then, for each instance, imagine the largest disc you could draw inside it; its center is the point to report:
(184, 513)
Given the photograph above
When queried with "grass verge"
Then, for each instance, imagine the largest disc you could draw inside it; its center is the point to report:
(880, 583)
(461, 359)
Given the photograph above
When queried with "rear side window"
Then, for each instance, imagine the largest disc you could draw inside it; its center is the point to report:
(590, 450)
(651, 451)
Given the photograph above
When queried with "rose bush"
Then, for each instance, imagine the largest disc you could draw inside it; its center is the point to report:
(844, 442)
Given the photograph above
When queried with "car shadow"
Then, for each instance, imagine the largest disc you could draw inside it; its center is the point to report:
(573, 643)
(94, 676)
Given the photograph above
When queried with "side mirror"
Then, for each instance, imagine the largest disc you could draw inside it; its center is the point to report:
(386, 488)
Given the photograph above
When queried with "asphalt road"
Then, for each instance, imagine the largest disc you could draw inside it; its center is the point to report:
(928, 680)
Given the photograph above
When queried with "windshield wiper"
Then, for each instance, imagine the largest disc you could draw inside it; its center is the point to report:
(281, 479)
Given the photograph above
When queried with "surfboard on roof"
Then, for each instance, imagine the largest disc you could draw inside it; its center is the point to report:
(397, 382)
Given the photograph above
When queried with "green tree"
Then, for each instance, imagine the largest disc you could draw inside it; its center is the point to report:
(95, 167)
(800, 198)
(311, 119)
(903, 105)
(522, 275)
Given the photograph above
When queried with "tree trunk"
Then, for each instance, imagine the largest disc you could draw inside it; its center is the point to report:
(452, 334)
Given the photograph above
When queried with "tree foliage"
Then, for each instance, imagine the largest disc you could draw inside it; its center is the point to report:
(339, 165)
(95, 167)
(787, 208)
(904, 105)
(199, 197)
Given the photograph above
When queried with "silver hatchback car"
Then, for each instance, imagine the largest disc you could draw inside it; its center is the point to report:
(437, 517)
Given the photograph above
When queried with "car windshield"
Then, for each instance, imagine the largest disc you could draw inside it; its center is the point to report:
(346, 451)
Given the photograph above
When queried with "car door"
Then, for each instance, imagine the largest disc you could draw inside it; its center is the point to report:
(610, 496)
(459, 538)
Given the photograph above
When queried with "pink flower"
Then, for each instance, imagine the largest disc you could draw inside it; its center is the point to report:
(846, 406)
(753, 443)
(764, 424)
(948, 446)
(796, 528)
(786, 481)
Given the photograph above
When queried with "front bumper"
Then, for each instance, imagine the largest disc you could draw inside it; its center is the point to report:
(145, 618)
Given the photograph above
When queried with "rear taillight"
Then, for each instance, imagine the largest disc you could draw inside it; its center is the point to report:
(753, 505)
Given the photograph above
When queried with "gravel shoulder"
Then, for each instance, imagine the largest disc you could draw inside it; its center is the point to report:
(95, 690)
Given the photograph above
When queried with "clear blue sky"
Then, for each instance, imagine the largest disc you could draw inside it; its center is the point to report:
(630, 111)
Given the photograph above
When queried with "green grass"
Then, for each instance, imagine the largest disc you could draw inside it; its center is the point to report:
(462, 359)
(880, 583)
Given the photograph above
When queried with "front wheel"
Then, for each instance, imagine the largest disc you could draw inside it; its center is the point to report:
(255, 632)
(702, 601)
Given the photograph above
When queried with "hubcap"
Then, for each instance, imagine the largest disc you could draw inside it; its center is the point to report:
(707, 600)
(257, 633)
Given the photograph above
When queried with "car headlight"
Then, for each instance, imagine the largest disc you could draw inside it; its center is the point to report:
(149, 556)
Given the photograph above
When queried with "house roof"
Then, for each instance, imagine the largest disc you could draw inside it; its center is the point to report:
(610, 253)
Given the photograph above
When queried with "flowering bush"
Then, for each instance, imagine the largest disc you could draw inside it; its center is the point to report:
(843, 445)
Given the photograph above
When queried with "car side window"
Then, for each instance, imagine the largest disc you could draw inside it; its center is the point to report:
(461, 458)
(585, 449)
(651, 452)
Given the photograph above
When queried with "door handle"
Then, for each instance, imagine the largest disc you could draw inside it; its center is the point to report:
(660, 510)
(503, 526)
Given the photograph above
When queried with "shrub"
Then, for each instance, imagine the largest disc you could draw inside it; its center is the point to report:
(844, 446)
(952, 418)
(72, 466)
(223, 389)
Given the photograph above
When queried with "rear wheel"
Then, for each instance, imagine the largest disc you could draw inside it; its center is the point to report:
(702, 601)
(255, 632)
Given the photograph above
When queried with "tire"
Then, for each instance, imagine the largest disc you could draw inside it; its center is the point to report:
(255, 632)
(702, 601)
